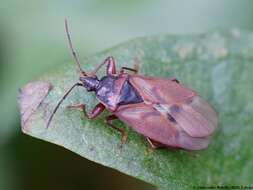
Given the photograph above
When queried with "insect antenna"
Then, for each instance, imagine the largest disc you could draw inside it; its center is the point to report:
(79, 69)
(59, 103)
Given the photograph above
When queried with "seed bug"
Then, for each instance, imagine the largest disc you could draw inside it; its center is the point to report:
(165, 111)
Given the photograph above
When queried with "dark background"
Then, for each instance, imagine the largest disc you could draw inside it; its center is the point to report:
(32, 42)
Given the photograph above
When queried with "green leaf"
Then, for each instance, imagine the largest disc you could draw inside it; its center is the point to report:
(218, 65)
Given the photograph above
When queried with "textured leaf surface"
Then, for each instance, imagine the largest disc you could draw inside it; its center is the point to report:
(218, 65)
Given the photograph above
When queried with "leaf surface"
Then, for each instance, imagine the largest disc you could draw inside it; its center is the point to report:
(218, 65)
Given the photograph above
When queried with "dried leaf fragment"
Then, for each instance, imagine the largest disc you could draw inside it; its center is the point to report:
(30, 97)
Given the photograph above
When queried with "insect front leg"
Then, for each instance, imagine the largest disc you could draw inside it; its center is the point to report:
(96, 111)
(110, 66)
(124, 135)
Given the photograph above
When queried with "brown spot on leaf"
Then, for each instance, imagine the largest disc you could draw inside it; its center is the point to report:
(30, 98)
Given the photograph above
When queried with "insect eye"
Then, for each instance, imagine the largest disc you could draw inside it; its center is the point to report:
(89, 89)
(94, 77)
(82, 78)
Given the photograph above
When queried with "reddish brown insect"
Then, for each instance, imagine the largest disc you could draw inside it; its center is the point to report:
(166, 112)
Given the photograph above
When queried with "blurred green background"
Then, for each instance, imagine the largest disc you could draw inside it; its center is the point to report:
(33, 41)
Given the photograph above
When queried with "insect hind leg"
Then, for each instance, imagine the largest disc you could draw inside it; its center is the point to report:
(153, 144)
(124, 135)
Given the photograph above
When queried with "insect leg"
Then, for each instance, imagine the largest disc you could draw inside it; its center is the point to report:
(175, 80)
(154, 144)
(96, 111)
(108, 120)
(129, 69)
(110, 66)
(135, 69)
